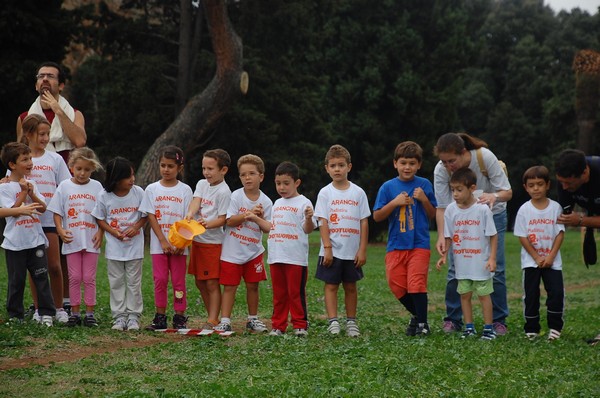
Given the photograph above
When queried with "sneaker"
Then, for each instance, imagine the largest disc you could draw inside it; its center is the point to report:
(119, 324)
(36, 316)
(334, 328)
(276, 332)
(488, 334)
(553, 335)
(90, 321)
(532, 335)
(61, 316)
(451, 327)
(300, 332)
(422, 329)
(411, 329)
(46, 320)
(223, 327)
(67, 307)
(179, 321)
(133, 324)
(500, 329)
(208, 326)
(256, 326)
(352, 329)
(468, 333)
(74, 320)
(158, 323)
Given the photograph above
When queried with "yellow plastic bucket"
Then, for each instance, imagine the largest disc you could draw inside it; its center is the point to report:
(182, 232)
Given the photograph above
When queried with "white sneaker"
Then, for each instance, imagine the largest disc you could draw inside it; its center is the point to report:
(352, 329)
(61, 316)
(120, 324)
(334, 328)
(300, 332)
(46, 320)
(133, 324)
(36, 317)
(276, 332)
(256, 326)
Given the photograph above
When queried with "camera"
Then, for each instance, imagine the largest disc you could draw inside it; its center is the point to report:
(567, 209)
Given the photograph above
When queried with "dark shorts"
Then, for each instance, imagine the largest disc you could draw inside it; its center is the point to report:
(339, 271)
(49, 230)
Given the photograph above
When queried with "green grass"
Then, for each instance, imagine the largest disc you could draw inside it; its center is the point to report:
(382, 362)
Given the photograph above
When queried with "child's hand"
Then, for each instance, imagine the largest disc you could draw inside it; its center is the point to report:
(327, 257)
(546, 262)
(97, 239)
(308, 212)
(29, 210)
(258, 210)
(491, 265)
(419, 195)
(251, 216)
(65, 234)
(440, 262)
(189, 216)
(167, 248)
(402, 200)
(360, 259)
(130, 232)
(24, 185)
(177, 251)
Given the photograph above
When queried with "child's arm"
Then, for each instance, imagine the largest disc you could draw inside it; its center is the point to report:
(65, 234)
(133, 230)
(361, 257)
(107, 228)
(421, 196)
(308, 226)
(539, 260)
(549, 259)
(236, 220)
(327, 248)
(491, 263)
(97, 238)
(166, 246)
(400, 200)
(443, 259)
(35, 198)
(24, 210)
(256, 216)
(193, 208)
(440, 245)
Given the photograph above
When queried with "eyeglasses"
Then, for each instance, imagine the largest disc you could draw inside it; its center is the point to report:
(48, 76)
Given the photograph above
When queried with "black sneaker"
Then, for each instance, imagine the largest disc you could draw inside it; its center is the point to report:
(423, 329)
(67, 308)
(74, 320)
(411, 329)
(158, 323)
(90, 321)
(179, 321)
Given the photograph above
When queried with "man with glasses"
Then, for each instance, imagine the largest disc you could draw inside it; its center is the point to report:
(67, 124)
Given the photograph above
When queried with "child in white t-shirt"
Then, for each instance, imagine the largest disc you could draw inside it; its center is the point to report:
(118, 215)
(470, 233)
(72, 206)
(541, 237)
(248, 216)
(343, 210)
(165, 202)
(288, 252)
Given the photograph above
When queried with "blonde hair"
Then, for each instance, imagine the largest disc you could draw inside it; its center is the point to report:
(30, 126)
(86, 154)
(252, 159)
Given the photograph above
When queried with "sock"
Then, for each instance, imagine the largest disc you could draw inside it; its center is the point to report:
(226, 320)
(420, 303)
(252, 317)
(488, 327)
(470, 326)
(66, 301)
(350, 319)
(76, 313)
(89, 313)
(333, 319)
(408, 303)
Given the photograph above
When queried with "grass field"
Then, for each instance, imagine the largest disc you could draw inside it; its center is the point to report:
(383, 362)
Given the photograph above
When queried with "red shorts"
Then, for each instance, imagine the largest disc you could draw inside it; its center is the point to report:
(407, 270)
(252, 271)
(205, 259)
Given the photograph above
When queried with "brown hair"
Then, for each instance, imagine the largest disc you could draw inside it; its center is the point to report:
(30, 126)
(220, 155)
(464, 176)
(10, 152)
(456, 143)
(252, 159)
(408, 149)
(337, 151)
(536, 172)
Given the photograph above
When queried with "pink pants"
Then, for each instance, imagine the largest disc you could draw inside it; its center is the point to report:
(162, 264)
(82, 269)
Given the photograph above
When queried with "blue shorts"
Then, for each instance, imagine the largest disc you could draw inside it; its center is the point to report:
(339, 271)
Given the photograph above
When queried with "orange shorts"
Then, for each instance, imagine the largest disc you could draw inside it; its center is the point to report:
(407, 270)
(205, 261)
(252, 271)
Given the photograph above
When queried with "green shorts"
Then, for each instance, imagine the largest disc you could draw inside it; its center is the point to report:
(481, 288)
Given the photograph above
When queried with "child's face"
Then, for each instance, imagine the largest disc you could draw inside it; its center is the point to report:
(407, 168)
(40, 139)
(169, 169)
(537, 188)
(23, 165)
(338, 169)
(462, 194)
(82, 170)
(211, 171)
(250, 177)
(125, 184)
(286, 186)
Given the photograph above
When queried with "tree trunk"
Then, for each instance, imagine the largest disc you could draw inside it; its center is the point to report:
(196, 121)
(184, 56)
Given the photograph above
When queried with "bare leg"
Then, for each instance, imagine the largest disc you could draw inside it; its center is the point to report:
(228, 300)
(252, 297)
(331, 299)
(467, 307)
(350, 299)
(214, 302)
(201, 285)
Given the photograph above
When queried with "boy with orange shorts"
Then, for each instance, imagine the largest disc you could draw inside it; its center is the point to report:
(408, 203)
(209, 207)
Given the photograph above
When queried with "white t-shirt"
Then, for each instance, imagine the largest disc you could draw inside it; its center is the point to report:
(470, 230)
(540, 228)
(49, 170)
(168, 204)
(214, 203)
(244, 242)
(22, 232)
(74, 203)
(344, 210)
(288, 243)
(497, 180)
(121, 212)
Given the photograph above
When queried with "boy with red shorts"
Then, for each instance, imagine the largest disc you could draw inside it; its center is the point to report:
(248, 216)
(408, 203)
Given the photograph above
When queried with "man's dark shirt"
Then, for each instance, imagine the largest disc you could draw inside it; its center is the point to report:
(588, 195)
